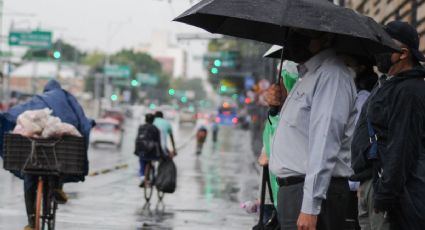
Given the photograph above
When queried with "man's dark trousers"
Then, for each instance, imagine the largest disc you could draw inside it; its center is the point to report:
(333, 209)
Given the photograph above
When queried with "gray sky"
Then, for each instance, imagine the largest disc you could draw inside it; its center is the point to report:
(86, 22)
(89, 24)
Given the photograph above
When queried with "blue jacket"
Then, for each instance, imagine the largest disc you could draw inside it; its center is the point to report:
(63, 105)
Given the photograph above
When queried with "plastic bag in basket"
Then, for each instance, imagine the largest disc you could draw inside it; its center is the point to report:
(31, 123)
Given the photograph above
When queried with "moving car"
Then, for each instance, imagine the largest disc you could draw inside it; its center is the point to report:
(107, 131)
(116, 114)
(187, 116)
(227, 115)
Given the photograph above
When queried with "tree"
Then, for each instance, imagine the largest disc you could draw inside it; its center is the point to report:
(94, 59)
(69, 53)
(194, 84)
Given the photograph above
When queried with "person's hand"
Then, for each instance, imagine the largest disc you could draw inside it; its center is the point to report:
(273, 95)
(263, 160)
(306, 222)
(173, 154)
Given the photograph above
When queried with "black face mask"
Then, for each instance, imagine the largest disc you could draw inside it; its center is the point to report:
(383, 62)
(296, 47)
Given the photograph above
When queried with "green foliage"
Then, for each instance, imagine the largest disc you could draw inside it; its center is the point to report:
(194, 84)
(138, 61)
(94, 59)
(69, 53)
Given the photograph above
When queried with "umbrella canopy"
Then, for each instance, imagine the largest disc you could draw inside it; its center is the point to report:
(274, 52)
(268, 21)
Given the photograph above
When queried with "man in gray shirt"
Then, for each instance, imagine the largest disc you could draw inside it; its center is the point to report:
(311, 147)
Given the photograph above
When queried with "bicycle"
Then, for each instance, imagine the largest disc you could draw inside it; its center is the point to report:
(47, 160)
(149, 182)
(46, 205)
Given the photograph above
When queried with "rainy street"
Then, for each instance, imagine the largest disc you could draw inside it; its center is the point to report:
(208, 196)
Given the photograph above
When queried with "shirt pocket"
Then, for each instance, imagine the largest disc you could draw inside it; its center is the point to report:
(298, 111)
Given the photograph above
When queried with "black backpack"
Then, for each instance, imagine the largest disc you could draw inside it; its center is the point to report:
(147, 145)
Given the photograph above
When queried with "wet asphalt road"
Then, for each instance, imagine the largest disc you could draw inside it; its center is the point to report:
(210, 188)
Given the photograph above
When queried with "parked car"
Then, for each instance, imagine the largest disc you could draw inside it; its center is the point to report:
(107, 131)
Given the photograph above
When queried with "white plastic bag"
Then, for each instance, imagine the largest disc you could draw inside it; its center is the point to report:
(52, 128)
(32, 122)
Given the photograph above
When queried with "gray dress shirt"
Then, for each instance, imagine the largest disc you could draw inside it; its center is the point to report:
(314, 135)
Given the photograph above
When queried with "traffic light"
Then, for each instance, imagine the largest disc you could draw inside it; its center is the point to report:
(214, 70)
(57, 54)
(217, 62)
(183, 99)
(223, 88)
(134, 83)
(171, 92)
(152, 106)
(114, 97)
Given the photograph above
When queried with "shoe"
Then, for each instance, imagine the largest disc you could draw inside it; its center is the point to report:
(29, 228)
(60, 196)
(142, 184)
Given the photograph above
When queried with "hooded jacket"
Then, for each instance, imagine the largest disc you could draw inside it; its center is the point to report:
(63, 105)
(396, 110)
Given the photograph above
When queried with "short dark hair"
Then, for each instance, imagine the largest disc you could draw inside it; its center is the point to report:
(149, 118)
(159, 114)
(366, 80)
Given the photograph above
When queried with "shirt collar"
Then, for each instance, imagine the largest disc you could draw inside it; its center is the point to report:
(314, 62)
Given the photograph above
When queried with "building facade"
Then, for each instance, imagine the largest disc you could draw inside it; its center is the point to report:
(383, 11)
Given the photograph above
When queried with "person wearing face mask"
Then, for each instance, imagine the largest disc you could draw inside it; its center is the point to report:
(388, 148)
(310, 153)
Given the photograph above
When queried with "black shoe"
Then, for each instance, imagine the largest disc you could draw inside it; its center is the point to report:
(142, 184)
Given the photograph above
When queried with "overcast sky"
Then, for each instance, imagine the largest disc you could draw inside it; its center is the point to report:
(89, 24)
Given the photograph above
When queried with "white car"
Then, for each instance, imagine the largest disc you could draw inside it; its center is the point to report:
(187, 116)
(107, 131)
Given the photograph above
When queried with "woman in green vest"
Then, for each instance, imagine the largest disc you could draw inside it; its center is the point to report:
(289, 78)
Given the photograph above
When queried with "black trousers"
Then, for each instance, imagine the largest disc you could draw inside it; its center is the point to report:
(333, 209)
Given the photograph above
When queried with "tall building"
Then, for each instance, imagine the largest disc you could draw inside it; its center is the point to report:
(383, 11)
(172, 58)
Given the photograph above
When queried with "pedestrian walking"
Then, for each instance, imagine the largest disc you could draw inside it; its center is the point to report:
(311, 148)
(388, 145)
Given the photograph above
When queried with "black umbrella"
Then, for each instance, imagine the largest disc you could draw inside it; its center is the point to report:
(268, 20)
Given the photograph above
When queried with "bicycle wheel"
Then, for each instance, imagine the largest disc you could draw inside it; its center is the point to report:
(149, 181)
(50, 206)
(38, 203)
(160, 195)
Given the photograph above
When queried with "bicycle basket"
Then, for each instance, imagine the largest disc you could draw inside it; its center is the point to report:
(66, 155)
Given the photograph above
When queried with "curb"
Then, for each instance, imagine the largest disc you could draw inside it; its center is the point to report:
(105, 171)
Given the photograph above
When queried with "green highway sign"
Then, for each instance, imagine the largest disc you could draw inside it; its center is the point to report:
(117, 71)
(33, 39)
(147, 79)
(120, 82)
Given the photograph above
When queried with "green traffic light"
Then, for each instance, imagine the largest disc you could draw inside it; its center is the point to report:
(134, 83)
(114, 97)
(217, 62)
(57, 54)
(223, 88)
(171, 92)
(214, 70)
(183, 99)
(152, 106)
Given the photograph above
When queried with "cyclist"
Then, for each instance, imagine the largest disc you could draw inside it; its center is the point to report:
(166, 130)
(66, 107)
(148, 143)
(201, 135)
